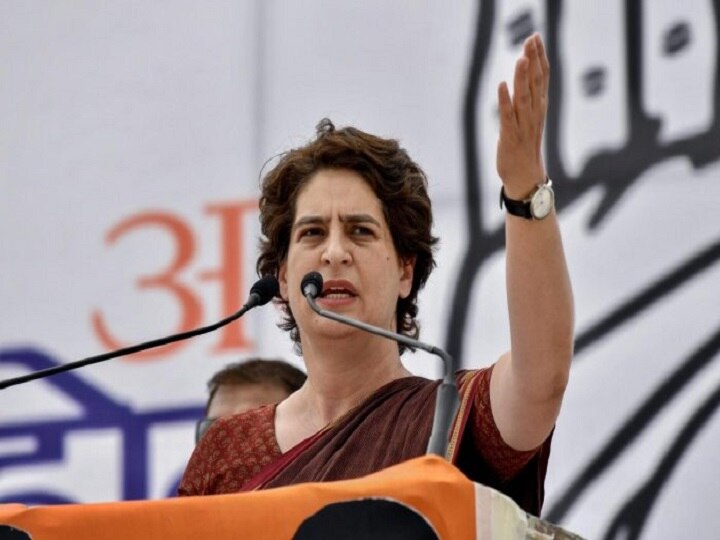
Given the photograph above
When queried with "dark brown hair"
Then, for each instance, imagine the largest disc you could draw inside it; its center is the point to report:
(396, 180)
(256, 371)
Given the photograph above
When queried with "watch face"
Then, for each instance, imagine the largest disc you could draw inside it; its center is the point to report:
(542, 202)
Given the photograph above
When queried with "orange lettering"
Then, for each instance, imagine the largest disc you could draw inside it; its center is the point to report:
(230, 272)
(190, 305)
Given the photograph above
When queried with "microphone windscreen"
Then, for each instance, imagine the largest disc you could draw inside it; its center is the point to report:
(266, 288)
(312, 284)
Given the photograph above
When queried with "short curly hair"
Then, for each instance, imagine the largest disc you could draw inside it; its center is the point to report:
(394, 177)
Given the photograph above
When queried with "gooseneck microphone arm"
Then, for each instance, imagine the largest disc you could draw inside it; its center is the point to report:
(261, 293)
(447, 401)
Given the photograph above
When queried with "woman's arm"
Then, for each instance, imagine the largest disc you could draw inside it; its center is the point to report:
(529, 381)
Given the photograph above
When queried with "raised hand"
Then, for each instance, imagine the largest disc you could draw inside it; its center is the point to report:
(522, 120)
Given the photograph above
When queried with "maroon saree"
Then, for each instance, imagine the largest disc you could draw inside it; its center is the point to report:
(240, 453)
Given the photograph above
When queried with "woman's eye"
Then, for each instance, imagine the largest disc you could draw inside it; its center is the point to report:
(315, 231)
(362, 231)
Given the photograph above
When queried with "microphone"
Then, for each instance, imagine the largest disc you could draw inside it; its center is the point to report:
(447, 401)
(262, 291)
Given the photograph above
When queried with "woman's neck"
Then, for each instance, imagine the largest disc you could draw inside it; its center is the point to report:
(341, 375)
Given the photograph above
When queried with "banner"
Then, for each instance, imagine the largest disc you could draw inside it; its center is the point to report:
(422, 498)
(134, 136)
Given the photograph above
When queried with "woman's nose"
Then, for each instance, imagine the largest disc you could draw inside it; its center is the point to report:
(337, 250)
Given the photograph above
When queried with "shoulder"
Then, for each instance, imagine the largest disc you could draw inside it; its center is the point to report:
(255, 420)
(474, 380)
(233, 449)
(241, 435)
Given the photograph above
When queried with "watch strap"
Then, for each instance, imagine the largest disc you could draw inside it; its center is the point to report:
(514, 207)
(521, 208)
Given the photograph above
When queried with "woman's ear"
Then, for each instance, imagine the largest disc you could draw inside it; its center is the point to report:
(282, 281)
(407, 270)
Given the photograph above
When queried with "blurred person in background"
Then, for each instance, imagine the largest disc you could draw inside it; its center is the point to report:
(243, 386)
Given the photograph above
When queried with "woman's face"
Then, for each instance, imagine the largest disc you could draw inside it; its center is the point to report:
(340, 231)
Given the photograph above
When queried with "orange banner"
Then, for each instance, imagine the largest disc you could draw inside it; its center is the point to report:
(425, 496)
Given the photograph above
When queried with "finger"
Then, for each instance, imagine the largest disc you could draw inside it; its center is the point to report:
(544, 62)
(508, 121)
(521, 92)
(535, 74)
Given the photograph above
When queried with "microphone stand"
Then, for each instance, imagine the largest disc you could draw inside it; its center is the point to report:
(261, 293)
(447, 401)
(121, 352)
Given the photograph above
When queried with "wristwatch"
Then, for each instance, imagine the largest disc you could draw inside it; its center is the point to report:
(538, 205)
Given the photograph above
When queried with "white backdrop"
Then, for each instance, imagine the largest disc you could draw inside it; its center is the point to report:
(132, 139)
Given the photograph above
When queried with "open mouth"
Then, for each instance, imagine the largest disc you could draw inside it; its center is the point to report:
(337, 293)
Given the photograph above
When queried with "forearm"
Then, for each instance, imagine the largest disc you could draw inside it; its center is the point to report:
(540, 307)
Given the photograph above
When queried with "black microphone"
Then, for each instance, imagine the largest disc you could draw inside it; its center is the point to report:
(447, 401)
(262, 291)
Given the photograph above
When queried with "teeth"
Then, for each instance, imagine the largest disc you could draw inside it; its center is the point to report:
(337, 293)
